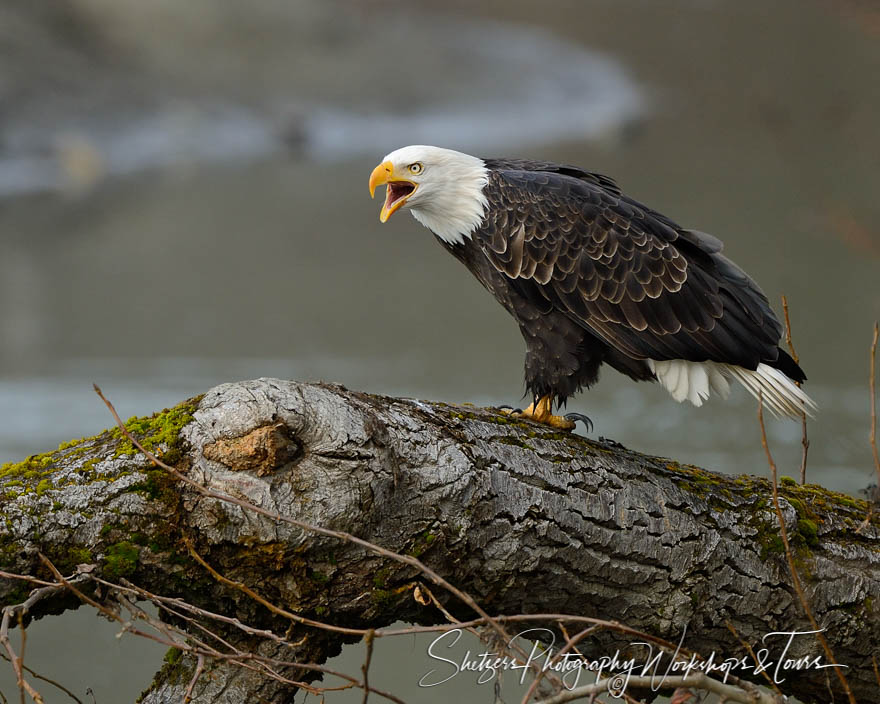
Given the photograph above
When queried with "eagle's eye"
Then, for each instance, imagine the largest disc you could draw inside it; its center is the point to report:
(416, 168)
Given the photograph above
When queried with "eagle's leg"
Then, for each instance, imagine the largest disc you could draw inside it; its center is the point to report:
(542, 412)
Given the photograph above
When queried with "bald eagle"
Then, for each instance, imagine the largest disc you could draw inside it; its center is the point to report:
(592, 276)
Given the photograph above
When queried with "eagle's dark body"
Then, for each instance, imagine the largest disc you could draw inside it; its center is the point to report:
(592, 276)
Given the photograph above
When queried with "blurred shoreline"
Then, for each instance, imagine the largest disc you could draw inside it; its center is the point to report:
(137, 110)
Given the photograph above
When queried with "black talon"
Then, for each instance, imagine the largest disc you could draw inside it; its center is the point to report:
(575, 417)
(510, 408)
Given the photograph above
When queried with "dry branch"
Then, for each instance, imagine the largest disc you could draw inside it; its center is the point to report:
(519, 518)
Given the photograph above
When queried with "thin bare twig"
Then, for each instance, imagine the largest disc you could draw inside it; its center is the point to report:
(751, 651)
(23, 630)
(873, 388)
(365, 668)
(200, 665)
(109, 613)
(795, 578)
(18, 612)
(805, 441)
(278, 611)
(45, 679)
(570, 644)
(453, 622)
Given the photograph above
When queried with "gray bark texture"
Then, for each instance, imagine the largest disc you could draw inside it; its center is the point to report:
(525, 519)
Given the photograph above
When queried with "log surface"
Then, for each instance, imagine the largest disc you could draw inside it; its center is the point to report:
(525, 519)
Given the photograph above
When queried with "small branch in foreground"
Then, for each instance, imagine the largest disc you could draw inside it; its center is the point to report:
(250, 593)
(200, 665)
(365, 668)
(751, 651)
(18, 612)
(570, 644)
(45, 679)
(795, 578)
(872, 384)
(805, 441)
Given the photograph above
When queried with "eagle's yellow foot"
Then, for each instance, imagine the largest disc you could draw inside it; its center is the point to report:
(542, 413)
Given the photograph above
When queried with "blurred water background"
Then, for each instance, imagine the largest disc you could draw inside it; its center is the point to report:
(183, 202)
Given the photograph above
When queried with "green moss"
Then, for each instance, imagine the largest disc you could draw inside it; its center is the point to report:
(382, 597)
(34, 466)
(43, 487)
(173, 655)
(121, 560)
(88, 466)
(70, 443)
(171, 673)
(16, 595)
(787, 481)
(80, 555)
(812, 501)
(161, 431)
(511, 440)
(318, 577)
(71, 557)
(809, 531)
(798, 506)
(381, 577)
(420, 545)
(157, 485)
(771, 545)
(43, 464)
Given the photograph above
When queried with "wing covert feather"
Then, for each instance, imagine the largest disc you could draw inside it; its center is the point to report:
(630, 275)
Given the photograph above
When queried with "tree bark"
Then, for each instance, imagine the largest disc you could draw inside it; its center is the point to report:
(525, 519)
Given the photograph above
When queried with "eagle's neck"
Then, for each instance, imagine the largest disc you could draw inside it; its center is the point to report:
(457, 206)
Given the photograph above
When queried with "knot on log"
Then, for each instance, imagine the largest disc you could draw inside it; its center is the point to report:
(262, 450)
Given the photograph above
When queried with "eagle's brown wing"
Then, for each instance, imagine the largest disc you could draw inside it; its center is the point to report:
(570, 240)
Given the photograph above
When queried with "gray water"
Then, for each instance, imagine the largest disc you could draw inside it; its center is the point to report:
(198, 213)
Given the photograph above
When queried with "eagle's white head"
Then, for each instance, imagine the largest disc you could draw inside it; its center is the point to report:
(442, 187)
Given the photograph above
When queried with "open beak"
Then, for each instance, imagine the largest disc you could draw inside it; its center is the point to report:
(397, 192)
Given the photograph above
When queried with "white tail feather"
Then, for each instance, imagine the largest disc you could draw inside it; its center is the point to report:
(778, 393)
(694, 380)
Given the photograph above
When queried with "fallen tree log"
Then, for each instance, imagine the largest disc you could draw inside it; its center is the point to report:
(524, 519)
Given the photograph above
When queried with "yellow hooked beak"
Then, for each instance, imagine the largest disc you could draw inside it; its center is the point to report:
(397, 192)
